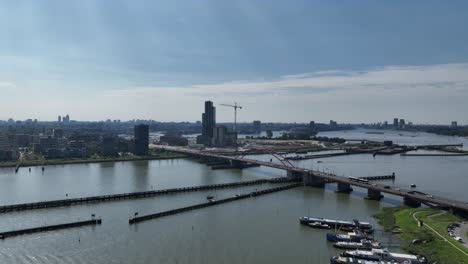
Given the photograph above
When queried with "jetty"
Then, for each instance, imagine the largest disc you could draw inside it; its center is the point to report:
(134, 195)
(18, 232)
(138, 219)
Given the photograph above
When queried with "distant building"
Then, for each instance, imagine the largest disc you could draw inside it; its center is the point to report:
(208, 124)
(454, 124)
(47, 143)
(66, 119)
(6, 142)
(77, 149)
(77, 144)
(55, 153)
(402, 123)
(10, 154)
(395, 122)
(333, 123)
(8, 148)
(141, 133)
(36, 148)
(109, 146)
(173, 140)
(22, 140)
(223, 138)
(57, 133)
(312, 125)
(257, 126)
(59, 119)
(208, 119)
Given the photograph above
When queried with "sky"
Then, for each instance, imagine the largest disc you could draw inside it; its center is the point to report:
(283, 61)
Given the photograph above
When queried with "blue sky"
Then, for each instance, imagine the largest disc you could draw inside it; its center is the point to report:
(352, 61)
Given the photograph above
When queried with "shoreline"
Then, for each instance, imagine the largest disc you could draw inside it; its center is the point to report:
(86, 161)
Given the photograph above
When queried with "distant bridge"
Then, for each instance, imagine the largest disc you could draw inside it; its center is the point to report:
(317, 178)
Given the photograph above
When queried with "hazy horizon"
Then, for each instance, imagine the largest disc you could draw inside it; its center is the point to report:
(282, 61)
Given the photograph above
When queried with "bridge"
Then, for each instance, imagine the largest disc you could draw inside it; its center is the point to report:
(318, 178)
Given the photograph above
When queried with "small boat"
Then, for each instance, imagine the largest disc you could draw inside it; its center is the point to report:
(377, 254)
(349, 237)
(319, 225)
(347, 260)
(338, 224)
(210, 197)
(413, 185)
(363, 245)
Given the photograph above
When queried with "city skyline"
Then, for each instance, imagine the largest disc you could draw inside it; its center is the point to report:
(327, 61)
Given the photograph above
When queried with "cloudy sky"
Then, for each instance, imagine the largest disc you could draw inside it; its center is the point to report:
(297, 60)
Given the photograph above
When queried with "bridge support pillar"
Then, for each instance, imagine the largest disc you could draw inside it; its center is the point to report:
(374, 194)
(238, 164)
(411, 202)
(312, 180)
(295, 175)
(203, 160)
(307, 178)
(343, 187)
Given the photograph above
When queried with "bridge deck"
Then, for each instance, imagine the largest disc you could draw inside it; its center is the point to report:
(425, 198)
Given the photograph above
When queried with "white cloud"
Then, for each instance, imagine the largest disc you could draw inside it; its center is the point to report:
(443, 76)
(432, 93)
(7, 85)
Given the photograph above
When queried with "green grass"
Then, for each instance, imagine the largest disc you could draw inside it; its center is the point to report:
(386, 217)
(435, 248)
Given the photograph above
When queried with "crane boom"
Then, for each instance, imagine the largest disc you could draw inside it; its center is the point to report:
(235, 106)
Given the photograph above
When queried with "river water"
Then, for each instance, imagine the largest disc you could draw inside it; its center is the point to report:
(264, 229)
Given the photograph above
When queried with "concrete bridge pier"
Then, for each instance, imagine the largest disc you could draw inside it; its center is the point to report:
(238, 164)
(411, 202)
(295, 175)
(343, 187)
(203, 160)
(312, 180)
(307, 178)
(374, 194)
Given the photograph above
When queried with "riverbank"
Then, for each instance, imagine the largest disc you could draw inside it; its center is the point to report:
(27, 163)
(430, 240)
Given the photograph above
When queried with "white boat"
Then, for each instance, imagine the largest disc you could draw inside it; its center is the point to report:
(383, 254)
(348, 260)
(363, 245)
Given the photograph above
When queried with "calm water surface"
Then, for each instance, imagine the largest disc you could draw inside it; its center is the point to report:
(258, 230)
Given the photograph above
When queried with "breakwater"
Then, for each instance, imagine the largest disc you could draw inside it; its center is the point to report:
(133, 195)
(18, 232)
(210, 203)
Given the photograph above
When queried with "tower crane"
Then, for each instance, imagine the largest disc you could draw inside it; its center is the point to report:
(235, 106)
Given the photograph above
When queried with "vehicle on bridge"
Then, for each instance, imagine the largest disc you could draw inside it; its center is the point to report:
(358, 180)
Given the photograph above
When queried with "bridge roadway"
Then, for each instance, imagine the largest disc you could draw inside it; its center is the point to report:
(371, 187)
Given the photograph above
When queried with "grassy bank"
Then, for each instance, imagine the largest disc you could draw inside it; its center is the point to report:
(45, 162)
(435, 248)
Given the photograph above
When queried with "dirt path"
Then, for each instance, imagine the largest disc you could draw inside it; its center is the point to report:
(434, 215)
